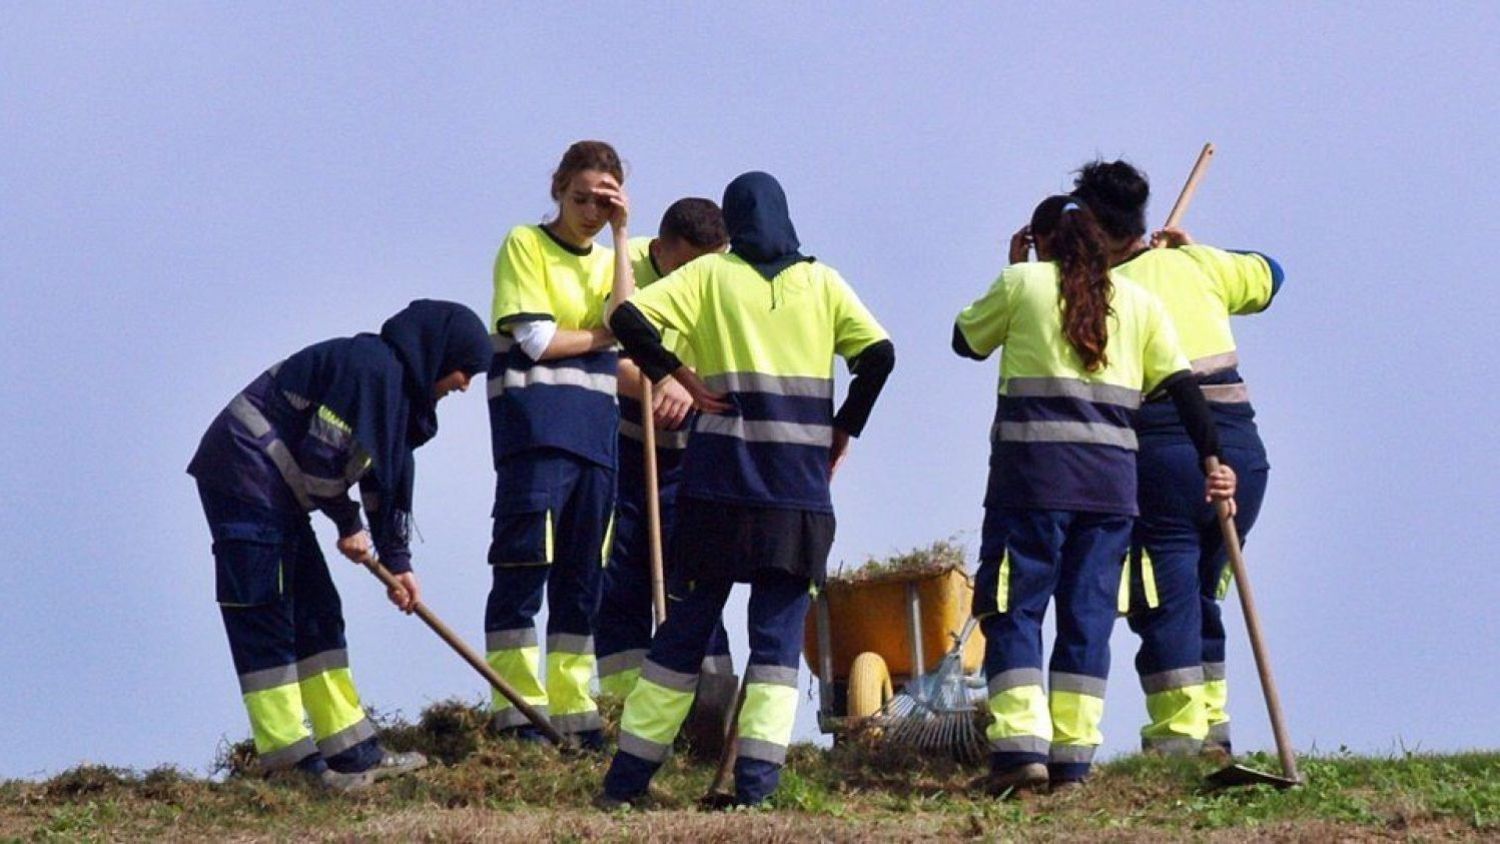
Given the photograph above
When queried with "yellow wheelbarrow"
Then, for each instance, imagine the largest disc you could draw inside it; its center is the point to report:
(868, 636)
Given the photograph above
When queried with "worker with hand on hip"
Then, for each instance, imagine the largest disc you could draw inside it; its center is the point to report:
(764, 323)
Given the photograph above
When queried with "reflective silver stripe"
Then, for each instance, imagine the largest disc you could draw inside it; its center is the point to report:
(1215, 363)
(250, 416)
(765, 751)
(1014, 678)
(1071, 388)
(1020, 744)
(1061, 681)
(801, 386)
(1173, 745)
(1213, 671)
(297, 402)
(644, 748)
(502, 343)
(347, 737)
(1058, 431)
(570, 643)
(1071, 753)
(722, 664)
(505, 640)
(1226, 393)
(510, 716)
(320, 662)
(1177, 678)
(622, 661)
(577, 722)
(664, 439)
(766, 431)
(285, 757)
(560, 376)
(324, 487)
(267, 678)
(771, 675)
(677, 681)
(1219, 732)
(256, 423)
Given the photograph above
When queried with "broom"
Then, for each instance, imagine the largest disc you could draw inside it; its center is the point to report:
(934, 713)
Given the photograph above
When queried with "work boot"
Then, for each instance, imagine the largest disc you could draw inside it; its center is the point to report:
(590, 741)
(639, 803)
(526, 733)
(342, 783)
(1064, 787)
(394, 764)
(1006, 783)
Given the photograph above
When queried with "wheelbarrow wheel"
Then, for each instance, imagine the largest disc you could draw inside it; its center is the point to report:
(869, 685)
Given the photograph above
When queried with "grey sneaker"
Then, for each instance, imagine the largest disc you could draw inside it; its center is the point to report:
(344, 783)
(393, 764)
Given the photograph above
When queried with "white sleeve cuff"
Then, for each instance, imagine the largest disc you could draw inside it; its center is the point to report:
(534, 336)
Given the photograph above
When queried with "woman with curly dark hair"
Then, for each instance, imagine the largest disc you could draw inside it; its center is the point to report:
(1082, 345)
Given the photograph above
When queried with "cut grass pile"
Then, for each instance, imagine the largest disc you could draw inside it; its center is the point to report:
(941, 556)
(480, 787)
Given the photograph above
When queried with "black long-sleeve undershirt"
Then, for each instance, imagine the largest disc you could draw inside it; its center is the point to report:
(870, 369)
(1193, 409)
(642, 342)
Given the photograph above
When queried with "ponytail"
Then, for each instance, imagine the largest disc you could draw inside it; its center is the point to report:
(1077, 244)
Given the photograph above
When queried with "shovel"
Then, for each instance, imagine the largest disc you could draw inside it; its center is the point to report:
(1235, 774)
(537, 719)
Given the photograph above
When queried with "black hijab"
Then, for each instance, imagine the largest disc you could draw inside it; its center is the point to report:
(760, 227)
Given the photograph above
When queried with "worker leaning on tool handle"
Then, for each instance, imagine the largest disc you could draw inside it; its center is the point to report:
(344, 411)
(764, 323)
(1178, 567)
(690, 228)
(553, 425)
(1081, 346)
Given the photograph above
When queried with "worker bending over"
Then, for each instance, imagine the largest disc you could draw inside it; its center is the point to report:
(764, 323)
(337, 413)
(1081, 347)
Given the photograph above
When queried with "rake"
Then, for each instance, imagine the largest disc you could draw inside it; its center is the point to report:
(934, 713)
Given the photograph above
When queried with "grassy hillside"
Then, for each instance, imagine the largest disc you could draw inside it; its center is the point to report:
(480, 788)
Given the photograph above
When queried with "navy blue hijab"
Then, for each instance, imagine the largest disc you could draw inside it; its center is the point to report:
(382, 387)
(760, 227)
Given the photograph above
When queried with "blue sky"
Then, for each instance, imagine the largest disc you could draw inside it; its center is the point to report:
(190, 192)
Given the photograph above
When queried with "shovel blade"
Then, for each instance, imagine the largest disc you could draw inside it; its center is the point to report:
(1236, 776)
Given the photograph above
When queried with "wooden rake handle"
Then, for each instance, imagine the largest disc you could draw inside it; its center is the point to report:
(653, 504)
(1257, 637)
(1189, 188)
(537, 719)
